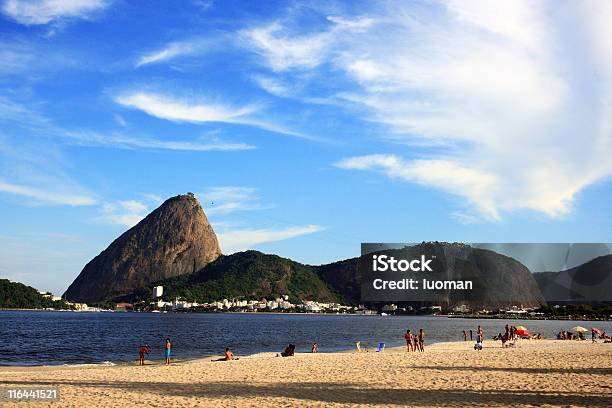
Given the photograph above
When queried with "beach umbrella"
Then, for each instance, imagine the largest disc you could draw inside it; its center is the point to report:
(596, 330)
(578, 329)
(521, 331)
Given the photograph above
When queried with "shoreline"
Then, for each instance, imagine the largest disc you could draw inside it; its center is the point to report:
(433, 346)
(471, 317)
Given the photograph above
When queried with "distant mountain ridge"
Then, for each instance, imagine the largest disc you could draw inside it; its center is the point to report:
(175, 246)
(253, 275)
(590, 282)
(502, 280)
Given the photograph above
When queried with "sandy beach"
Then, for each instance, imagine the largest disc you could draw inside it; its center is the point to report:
(535, 373)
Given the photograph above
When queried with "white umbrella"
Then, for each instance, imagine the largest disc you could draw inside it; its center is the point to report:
(579, 329)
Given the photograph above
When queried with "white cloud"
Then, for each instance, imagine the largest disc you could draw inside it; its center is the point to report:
(357, 24)
(43, 195)
(500, 99)
(272, 85)
(203, 5)
(464, 218)
(14, 58)
(178, 110)
(130, 142)
(227, 199)
(36, 12)
(171, 51)
(283, 52)
(189, 110)
(125, 213)
(448, 175)
(241, 240)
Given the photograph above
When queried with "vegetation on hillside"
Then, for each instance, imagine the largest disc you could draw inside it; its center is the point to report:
(248, 275)
(15, 295)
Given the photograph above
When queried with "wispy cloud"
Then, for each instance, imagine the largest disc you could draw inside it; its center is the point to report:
(38, 12)
(14, 58)
(243, 239)
(126, 213)
(28, 118)
(282, 52)
(465, 181)
(45, 195)
(173, 50)
(183, 110)
(197, 111)
(228, 199)
(496, 92)
(283, 49)
(121, 141)
(272, 85)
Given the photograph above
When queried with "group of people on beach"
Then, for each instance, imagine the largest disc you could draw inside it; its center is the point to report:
(146, 349)
(415, 342)
(290, 350)
(595, 335)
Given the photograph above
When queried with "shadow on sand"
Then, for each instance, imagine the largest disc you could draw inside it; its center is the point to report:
(344, 393)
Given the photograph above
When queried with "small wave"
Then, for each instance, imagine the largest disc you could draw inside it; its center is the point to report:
(102, 363)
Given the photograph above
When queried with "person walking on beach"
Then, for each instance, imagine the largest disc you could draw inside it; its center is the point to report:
(464, 335)
(142, 350)
(479, 335)
(421, 340)
(168, 348)
(408, 338)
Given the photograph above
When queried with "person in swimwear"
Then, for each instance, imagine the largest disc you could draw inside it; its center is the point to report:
(314, 348)
(408, 338)
(227, 356)
(168, 348)
(421, 337)
(142, 350)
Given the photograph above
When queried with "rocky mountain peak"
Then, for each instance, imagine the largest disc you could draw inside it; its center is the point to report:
(175, 239)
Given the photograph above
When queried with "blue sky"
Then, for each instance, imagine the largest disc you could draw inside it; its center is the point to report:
(311, 126)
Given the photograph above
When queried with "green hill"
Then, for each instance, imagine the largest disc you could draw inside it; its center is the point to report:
(15, 295)
(250, 275)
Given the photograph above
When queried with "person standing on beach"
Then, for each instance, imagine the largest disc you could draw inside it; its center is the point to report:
(416, 342)
(479, 335)
(142, 351)
(471, 335)
(168, 348)
(408, 338)
(421, 340)
(314, 348)
(464, 335)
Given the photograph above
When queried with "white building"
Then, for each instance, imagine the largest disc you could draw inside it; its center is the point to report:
(158, 291)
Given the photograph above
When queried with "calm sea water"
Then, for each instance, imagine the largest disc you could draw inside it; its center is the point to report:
(49, 338)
